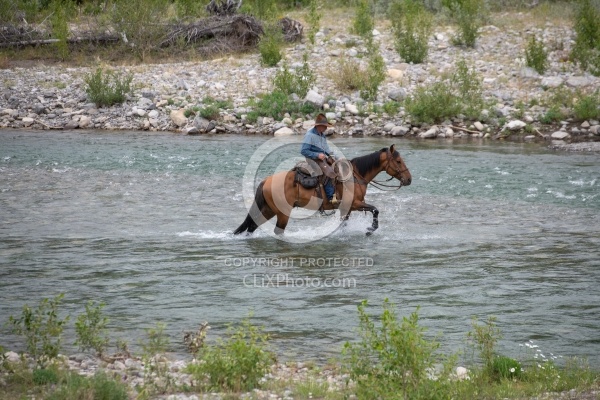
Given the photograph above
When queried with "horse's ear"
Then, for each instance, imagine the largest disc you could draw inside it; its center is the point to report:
(392, 148)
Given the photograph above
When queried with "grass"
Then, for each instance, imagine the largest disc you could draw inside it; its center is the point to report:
(276, 105)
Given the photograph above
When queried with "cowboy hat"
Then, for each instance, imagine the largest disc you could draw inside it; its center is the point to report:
(322, 120)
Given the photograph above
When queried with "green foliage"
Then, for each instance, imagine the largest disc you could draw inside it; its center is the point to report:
(44, 376)
(462, 94)
(263, 9)
(314, 19)
(484, 339)
(391, 107)
(98, 387)
(412, 25)
(348, 75)
(235, 363)
(90, 328)
(536, 56)
(376, 72)
(277, 104)
(61, 11)
(587, 107)
(153, 348)
(107, 88)
(42, 329)
(363, 22)
(506, 367)
(190, 8)
(299, 81)
(553, 114)
(218, 103)
(270, 47)
(468, 14)
(395, 359)
(136, 21)
(586, 50)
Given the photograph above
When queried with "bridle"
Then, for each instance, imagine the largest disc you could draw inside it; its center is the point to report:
(398, 172)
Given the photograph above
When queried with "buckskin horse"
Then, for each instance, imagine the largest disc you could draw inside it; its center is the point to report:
(278, 194)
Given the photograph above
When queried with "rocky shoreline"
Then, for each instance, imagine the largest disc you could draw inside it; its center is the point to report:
(54, 97)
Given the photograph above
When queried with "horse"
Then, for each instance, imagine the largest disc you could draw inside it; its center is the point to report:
(278, 194)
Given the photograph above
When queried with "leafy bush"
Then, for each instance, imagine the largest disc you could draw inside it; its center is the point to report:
(391, 107)
(107, 88)
(506, 367)
(42, 329)
(553, 114)
(98, 387)
(348, 75)
(484, 339)
(44, 376)
(536, 56)
(363, 23)
(299, 81)
(587, 107)
(412, 25)
(376, 72)
(61, 11)
(468, 14)
(462, 94)
(235, 363)
(270, 47)
(90, 328)
(586, 50)
(276, 105)
(153, 347)
(395, 358)
(314, 19)
(263, 9)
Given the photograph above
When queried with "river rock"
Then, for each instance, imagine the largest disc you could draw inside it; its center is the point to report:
(28, 121)
(515, 125)
(351, 108)
(12, 356)
(178, 117)
(560, 135)
(71, 124)
(84, 121)
(578, 81)
(314, 98)
(397, 94)
(203, 124)
(595, 129)
(191, 130)
(399, 130)
(431, 133)
(478, 125)
(285, 131)
(395, 74)
(388, 127)
(552, 81)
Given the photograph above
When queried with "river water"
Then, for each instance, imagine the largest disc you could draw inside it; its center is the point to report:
(143, 222)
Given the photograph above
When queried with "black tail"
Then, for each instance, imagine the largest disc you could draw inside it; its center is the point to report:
(256, 213)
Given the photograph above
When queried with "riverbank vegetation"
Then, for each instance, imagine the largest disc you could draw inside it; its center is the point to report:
(392, 357)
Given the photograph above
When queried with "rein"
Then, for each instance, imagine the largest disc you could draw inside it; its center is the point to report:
(380, 184)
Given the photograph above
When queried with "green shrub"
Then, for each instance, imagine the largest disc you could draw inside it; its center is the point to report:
(299, 81)
(61, 11)
(587, 107)
(140, 22)
(314, 19)
(376, 72)
(42, 329)
(153, 348)
(276, 105)
(536, 56)
(209, 112)
(553, 114)
(462, 94)
(107, 88)
(586, 50)
(411, 24)
(98, 387)
(484, 339)
(469, 15)
(235, 363)
(90, 328)
(348, 75)
(506, 367)
(391, 107)
(394, 360)
(363, 23)
(270, 47)
(263, 9)
(44, 376)
(219, 103)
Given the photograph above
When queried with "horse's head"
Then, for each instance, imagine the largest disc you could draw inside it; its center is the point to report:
(396, 167)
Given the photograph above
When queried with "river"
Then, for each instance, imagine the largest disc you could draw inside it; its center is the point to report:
(143, 222)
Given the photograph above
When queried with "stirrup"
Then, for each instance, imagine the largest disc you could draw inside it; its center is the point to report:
(334, 201)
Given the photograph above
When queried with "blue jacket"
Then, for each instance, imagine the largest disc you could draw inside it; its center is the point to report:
(313, 144)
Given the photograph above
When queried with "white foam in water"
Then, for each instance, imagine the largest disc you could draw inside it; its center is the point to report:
(561, 195)
(207, 235)
(581, 182)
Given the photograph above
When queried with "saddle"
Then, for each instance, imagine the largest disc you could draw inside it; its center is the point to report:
(311, 176)
(306, 175)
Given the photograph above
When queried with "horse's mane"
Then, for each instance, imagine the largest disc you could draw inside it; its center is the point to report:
(364, 164)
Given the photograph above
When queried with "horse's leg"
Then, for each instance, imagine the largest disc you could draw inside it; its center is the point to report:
(282, 221)
(375, 212)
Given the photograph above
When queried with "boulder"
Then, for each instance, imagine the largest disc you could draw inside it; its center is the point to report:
(178, 117)
(203, 124)
(314, 98)
(431, 133)
(395, 74)
(515, 125)
(192, 130)
(552, 81)
(84, 121)
(397, 94)
(478, 125)
(560, 135)
(351, 108)
(578, 81)
(285, 131)
(399, 130)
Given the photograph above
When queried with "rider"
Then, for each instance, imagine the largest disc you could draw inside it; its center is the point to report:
(315, 149)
